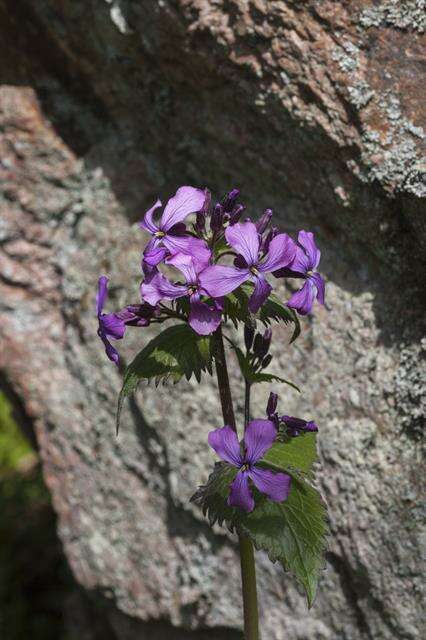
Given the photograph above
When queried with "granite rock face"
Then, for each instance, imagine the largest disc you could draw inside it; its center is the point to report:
(313, 108)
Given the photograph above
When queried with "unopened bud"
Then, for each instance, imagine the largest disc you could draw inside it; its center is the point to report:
(229, 200)
(266, 361)
(271, 407)
(236, 214)
(264, 220)
(248, 336)
(216, 220)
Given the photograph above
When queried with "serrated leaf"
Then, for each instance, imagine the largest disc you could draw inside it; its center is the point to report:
(236, 309)
(271, 377)
(176, 352)
(297, 454)
(251, 375)
(293, 532)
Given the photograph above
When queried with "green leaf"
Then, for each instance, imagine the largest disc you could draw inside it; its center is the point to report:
(293, 532)
(274, 309)
(251, 375)
(176, 352)
(296, 454)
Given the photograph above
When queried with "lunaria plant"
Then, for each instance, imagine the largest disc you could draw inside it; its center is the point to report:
(225, 266)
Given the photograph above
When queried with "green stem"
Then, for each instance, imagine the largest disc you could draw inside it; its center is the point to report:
(248, 567)
(248, 580)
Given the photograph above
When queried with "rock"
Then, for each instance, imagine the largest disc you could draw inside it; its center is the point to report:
(315, 109)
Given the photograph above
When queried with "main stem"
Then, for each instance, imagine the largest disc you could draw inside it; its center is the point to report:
(248, 567)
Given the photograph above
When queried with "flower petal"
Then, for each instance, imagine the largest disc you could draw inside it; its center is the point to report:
(188, 265)
(156, 287)
(274, 485)
(186, 200)
(154, 253)
(320, 286)
(225, 442)
(303, 299)
(240, 495)
(109, 350)
(188, 245)
(243, 237)
(281, 251)
(204, 319)
(262, 289)
(218, 280)
(101, 294)
(306, 239)
(112, 326)
(258, 438)
(148, 221)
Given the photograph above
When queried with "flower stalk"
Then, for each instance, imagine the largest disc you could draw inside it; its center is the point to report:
(248, 567)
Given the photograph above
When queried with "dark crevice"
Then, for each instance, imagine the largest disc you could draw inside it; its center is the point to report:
(19, 413)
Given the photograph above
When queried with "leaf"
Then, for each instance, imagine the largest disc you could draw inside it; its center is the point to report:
(176, 352)
(271, 377)
(293, 532)
(297, 454)
(236, 309)
(251, 375)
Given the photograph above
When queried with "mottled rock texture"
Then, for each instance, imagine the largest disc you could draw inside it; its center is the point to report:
(315, 108)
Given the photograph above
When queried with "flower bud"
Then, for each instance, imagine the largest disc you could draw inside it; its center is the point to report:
(271, 407)
(258, 346)
(266, 241)
(248, 336)
(266, 361)
(216, 219)
(230, 199)
(264, 220)
(236, 214)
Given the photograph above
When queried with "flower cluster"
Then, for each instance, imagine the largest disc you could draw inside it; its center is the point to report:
(211, 257)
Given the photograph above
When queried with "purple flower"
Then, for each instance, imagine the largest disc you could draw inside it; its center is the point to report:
(113, 325)
(296, 426)
(169, 235)
(203, 318)
(110, 324)
(249, 264)
(258, 438)
(303, 265)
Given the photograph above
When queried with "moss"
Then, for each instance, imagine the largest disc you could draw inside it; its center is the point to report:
(33, 574)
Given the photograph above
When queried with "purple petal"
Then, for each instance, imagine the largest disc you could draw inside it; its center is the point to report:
(262, 289)
(101, 294)
(240, 494)
(320, 286)
(154, 253)
(112, 326)
(274, 485)
(148, 222)
(303, 299)
(156, 287)
(204, 319)
(282, 250)
(306, 239)
(109, 350)
(258, 438)
(225, 442)
(218, 280)
(300, 264)
(186, 265)
(243, 237)
(186, 200)
(188, 245)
